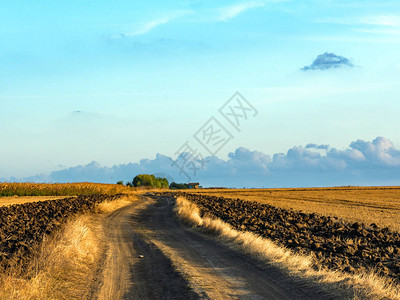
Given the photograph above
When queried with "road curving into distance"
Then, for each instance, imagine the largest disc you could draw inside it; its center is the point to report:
(153, 256)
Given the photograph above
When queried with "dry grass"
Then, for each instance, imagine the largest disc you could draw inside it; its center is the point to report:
(109, 206)
(360, 285)
(60, 189)
(379, 205)
(66, 264)
(4, 201)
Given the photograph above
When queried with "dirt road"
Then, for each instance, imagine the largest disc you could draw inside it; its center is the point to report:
(153, 256)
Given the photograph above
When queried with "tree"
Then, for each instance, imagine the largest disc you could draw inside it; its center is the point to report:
(163, 182)
(150, 180)
(144, 180)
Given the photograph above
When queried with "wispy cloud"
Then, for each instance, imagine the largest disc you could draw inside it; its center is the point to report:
(353, 39)
(376, 20)
(230, 12)
(381, 31)
(148, 26)
(319, 147)
(392, 21)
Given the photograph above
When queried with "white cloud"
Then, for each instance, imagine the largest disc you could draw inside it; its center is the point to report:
(374, 162)
(230, 12)
(380, 151)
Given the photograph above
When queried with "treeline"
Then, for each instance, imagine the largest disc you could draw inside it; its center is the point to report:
(149, 181)
(178, 186)
(146, 180)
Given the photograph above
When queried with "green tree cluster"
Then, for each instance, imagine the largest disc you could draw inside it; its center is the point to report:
(149, 180)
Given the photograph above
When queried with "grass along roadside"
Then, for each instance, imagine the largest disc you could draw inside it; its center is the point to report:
(109, 206)
(364, 285)
(63, 266)
(66, 263)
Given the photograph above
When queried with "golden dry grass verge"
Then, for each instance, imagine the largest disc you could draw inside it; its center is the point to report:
(361, 285)
(109, 206)
(63, 266)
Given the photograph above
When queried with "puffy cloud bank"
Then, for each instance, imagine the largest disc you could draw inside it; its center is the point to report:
(327, 61)
(362, 163)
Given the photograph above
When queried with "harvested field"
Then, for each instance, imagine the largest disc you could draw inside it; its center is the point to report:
(379, 205)
(61, 189)
(5, 201)
(348, 247)
(338, 284)
(23, 227)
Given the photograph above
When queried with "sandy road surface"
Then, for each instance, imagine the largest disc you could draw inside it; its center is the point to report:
(153, 256)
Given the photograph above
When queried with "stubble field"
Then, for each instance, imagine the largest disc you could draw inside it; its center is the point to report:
(378, 205)
(5, 201)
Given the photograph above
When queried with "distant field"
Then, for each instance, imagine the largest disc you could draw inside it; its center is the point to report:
(60, 189)
(4, 201)
(379, 205)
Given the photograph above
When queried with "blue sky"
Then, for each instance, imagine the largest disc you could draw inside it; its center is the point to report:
(116, 82)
